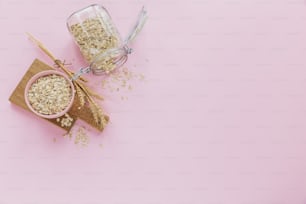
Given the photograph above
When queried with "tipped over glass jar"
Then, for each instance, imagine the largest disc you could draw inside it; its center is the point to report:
(99, 40)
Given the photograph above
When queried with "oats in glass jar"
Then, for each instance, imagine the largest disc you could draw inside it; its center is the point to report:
(93, 37)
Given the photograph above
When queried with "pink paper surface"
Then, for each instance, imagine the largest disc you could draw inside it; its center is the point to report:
(220, 118)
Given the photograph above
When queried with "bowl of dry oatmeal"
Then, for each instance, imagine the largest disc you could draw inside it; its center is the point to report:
(49, 94)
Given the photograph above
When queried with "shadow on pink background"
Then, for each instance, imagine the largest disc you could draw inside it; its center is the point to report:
(220, 119)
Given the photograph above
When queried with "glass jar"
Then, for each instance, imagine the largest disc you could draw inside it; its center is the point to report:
(99, 40)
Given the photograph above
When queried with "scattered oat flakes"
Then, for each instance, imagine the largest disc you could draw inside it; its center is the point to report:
(81, 137)
(66, 121)
(120, 80)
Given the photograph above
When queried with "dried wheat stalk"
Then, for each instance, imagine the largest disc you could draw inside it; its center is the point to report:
(81, 95)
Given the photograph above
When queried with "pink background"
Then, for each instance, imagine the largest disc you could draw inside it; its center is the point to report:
(221, 118)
